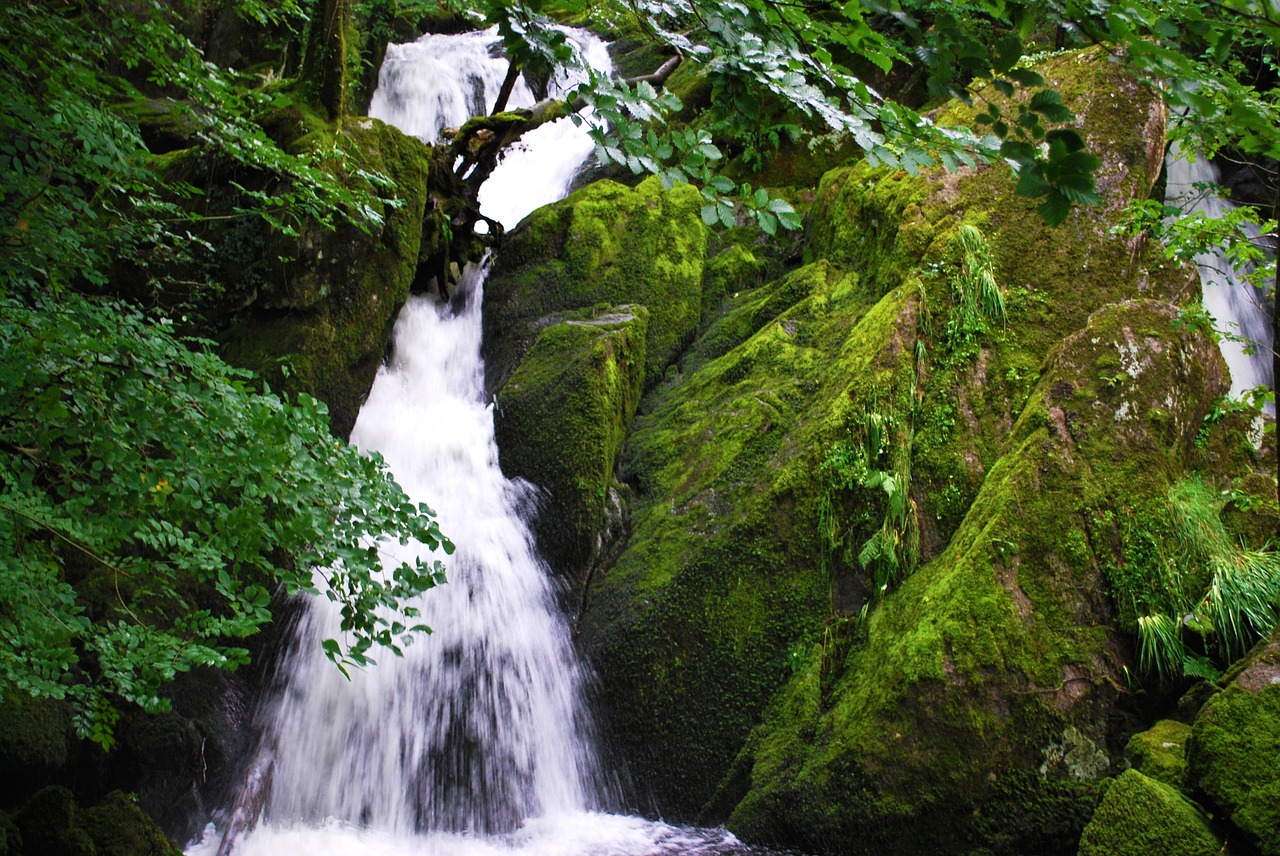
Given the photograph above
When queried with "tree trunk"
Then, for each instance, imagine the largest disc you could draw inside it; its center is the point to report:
(324, 63)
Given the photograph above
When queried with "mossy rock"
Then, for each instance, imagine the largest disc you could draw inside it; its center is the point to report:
(895, 228)
(701, 618)
(733, 270)
(1234, 753)
(997, 656)
(10, 837)
(561, 419)
(35, 742)
(47, 822)
(1140, 816)
(321, 322)
(605, 244)
(1160, 752)
(909, 731)
(120, 828)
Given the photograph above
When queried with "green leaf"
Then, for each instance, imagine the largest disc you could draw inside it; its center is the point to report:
(1055, 209)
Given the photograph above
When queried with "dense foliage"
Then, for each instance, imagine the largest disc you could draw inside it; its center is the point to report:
(151, 502)
(152, 499)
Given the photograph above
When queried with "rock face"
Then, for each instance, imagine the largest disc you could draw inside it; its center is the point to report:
(567, 364)
(321, 323)
(865, 599)
(1234, 753)
(562, 416)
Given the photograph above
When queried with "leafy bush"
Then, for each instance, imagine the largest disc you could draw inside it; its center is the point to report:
(151, 501)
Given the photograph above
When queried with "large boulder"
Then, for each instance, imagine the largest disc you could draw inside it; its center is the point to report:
(591, 299)
(319, 316)
(1000, 656)
(561, 419)
(1234, 752)
(766, 656)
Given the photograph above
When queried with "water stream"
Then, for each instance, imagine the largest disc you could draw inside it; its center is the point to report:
(476, 741)
(1237, 307)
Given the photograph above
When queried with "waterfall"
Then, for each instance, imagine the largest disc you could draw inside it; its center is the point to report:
(475, 742)
(1237, 307)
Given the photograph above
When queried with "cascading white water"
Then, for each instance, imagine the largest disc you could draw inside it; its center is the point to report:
(474, 743)
(477, 727)
(1237, 307)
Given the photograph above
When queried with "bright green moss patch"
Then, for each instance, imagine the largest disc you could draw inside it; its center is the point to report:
(605, 244)
(1140, 816)
(1160, 752)
(562, 416)
(733, 270)
(1234, 753)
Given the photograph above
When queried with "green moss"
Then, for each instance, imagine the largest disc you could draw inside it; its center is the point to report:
(729, 272)
(47, 824)
(34, 741)
(1139, 816)
(747, 312)
(969, 709)
(120, 828)
(985, 661)
(561, 419)
(605, 244)
(323, 324)
(10, 837)
(1234, 753)
(1160, 752)
(722, 552)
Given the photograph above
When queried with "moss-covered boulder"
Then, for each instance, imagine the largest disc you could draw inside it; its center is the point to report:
(561, 419)
(1234, 753)
(604, 245)
(766, 655)
(998, 656)
(50, 823)
(591, 300)
(35, 744)
(705, 614)
(1160, 752)
(118, 827)
(1139, 816)
(47, 822)
(321, 317)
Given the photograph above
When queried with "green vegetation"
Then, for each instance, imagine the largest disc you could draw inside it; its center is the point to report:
(1203, 600)
(151, 502)
(152, 498)
(1139, 815)
(1160, 752)
(1234, 746)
